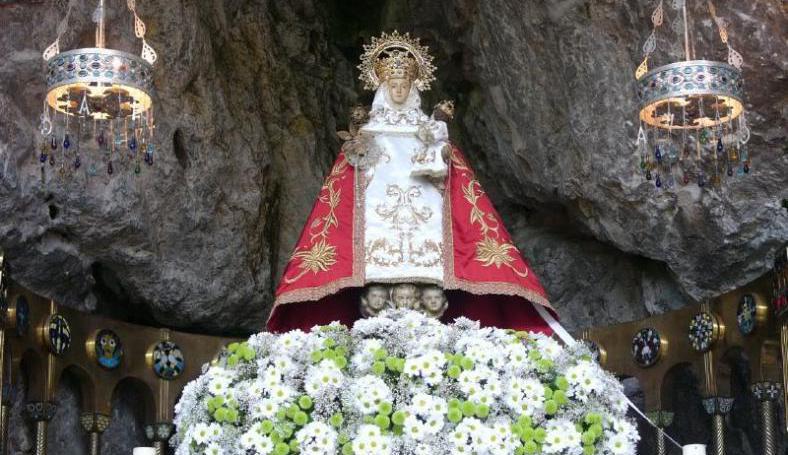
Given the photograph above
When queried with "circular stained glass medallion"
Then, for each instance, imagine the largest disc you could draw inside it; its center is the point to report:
(57, 334)
(108, 349)
(704, 330)
(22, 311)
(746, 314)
(646, 347)
(167, 360)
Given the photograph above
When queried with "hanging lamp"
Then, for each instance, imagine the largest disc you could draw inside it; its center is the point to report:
(692, 123)
(98, 110)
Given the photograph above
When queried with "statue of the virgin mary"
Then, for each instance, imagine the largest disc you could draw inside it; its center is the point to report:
(401, 220)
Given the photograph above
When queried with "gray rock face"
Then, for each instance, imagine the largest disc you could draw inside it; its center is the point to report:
(249, 94)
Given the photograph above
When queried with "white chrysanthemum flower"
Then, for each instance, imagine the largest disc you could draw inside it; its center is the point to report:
(201, 433)
(482, 352)
(370, 441)
(317, 438)
(260, 444)
(213, 449)
(470, 436)
(289, 343)
(501, 440)
(562, 437)
(414, 428)
(619, 444)
(548, 347)
(256, 389)
(322, 376)
(524, 396)
(365, 355)
(369, 392)
(281, 393)
(265, 409)
(517, 356)
(427, 366)
(219, 383)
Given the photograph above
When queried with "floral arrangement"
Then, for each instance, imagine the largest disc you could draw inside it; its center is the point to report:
(404, 383)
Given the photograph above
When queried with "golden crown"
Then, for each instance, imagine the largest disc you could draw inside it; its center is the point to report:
(394, 55)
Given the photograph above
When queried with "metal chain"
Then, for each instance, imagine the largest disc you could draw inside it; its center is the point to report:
(651, 42)
(54, 48)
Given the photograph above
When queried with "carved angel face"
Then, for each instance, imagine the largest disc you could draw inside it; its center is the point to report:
(433, 300)
(405, 296)
(376, 298)
(399, 89)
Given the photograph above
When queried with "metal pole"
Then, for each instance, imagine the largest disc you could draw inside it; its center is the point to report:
(718, 422)
(767, 393)
(686, 31)
(41, 437)
(661, 449)
(100, 41)
(5, 415)
(95, 443)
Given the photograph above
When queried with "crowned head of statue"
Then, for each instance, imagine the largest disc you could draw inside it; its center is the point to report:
(399, 63)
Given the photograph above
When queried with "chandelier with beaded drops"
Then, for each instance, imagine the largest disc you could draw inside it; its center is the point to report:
(692, 124)
(97, 114)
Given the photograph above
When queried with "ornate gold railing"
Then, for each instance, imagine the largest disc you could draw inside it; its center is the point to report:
(737, 324)
(42, 340)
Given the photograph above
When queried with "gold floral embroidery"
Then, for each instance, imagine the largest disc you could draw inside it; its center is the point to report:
(319, 258)
(321, 255)
(383, 253)
(489, 251)
(403, 213)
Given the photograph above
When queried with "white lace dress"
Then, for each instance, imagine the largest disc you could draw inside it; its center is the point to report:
(403, 209)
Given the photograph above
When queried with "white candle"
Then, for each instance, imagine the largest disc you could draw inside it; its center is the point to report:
(144, 451)
(694, 449)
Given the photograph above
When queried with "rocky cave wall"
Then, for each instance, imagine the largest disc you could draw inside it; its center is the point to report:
(249, 94)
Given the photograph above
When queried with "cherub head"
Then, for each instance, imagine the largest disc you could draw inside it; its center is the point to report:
(405, 295)
(434, 301)
(444, 111)
(374, 300)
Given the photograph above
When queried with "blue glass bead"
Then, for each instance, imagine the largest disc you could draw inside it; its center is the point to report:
(720, 148)
(66, 142)
(701, 180)
(657, 154)
(133, 143)
(658, 182)
(77, 162)
(42, 157)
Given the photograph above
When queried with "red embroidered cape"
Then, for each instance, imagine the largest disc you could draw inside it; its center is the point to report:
(485, 276)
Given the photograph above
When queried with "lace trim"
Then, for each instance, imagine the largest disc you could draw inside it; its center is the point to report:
(395, 117)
